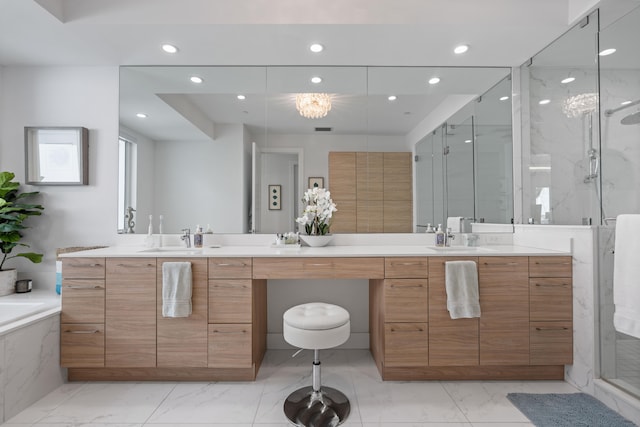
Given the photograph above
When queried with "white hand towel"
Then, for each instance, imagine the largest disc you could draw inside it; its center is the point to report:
(176, 289)
(626, 276)
(461, 283)
(455, 224)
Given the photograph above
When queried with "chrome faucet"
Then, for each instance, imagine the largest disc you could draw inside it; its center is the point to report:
(186, 237)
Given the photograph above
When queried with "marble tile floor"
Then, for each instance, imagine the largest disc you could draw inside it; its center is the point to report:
(259, 403)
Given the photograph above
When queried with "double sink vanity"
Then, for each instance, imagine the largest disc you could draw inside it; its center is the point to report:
(112, 326)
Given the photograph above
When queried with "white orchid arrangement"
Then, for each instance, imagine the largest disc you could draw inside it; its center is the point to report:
(318, 212)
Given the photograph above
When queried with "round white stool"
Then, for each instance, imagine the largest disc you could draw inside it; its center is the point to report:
(316, 326)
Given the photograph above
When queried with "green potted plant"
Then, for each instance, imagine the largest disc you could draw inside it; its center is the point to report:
(13, 212)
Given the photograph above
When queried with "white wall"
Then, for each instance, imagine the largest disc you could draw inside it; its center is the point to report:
(63, 96)
(221, 195)
(278, 169)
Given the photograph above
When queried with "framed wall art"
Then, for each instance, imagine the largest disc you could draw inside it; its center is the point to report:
(316, 182)
(56, 155)
(275, 201)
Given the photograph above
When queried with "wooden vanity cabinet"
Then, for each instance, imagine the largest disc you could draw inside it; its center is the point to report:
(452, 342)
(82, 317)
(130, 319)
(551, 311)
(237, 315)
(399, 317)
(504, 304)
(182, 341)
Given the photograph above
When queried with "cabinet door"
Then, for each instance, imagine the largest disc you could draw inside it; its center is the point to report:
(82, 345)
(406, 344)
(342, 184)
(504, 304)
(551, 343)
(551, 299)
(182, 341)
(82, 301)
(130, 319)
(230, 346)
(452, 342)
(406, 300)
(230, 301)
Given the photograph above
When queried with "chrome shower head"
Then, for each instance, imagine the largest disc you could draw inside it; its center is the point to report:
(631, 119)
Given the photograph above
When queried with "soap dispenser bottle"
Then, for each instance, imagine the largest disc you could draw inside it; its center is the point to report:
(197, 237)
(440, 237)
(149, 239)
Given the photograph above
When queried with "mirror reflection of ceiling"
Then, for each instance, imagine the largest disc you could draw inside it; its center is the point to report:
(178, 109)
(232, 32)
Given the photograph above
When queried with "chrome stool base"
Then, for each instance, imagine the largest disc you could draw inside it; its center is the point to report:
(325, 408)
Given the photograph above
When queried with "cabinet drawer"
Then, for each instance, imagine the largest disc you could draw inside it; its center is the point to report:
(230, 346)
(514, 267)
(343, 268)
(230, 268)
(83, 268)
(550, 266)
(406, 344)
(406, 300)
(551, 343)
(318, 268)
(230, 301)
(82, 301)
(406, 267)
(82, 346)
(550, 299)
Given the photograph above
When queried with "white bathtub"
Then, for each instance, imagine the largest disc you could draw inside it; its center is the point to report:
(29, 349)
(18, 310)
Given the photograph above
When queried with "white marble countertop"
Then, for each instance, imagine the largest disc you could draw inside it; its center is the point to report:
(326, 251)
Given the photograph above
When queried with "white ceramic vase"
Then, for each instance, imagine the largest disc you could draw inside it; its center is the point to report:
(316, 241)
(8, 281)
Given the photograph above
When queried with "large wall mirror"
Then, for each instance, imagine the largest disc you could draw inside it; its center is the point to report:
(203, 145)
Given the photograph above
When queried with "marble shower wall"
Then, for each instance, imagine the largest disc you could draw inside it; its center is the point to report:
(556, 163)
(620, 143)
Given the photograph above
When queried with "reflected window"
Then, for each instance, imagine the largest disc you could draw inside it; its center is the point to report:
(126, 186)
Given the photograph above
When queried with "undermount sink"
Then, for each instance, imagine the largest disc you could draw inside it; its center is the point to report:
(460, 249)
(181, 249)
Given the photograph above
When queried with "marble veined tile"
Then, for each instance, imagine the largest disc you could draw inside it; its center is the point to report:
(436, 424)
(224, 402)
(487, 401)
(2, 379)
(125, 403)
(47, 404)
(84, 425)
(407, 402)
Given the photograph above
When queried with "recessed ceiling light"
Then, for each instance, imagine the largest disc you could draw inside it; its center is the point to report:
(141, 115)
(606, 52)
(316, 48)
(392, 98)
(196, 79)
(504, 98)
(316, 79)
(544, 101)
(461, 49)
(567, 80)
(169, 48)
(625, 103)
(467, 141)
(433, 80)
(242, 97)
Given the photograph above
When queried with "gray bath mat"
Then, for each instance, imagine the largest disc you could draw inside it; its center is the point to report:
(576, 409)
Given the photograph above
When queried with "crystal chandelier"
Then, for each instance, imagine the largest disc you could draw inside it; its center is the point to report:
(313, 105)
(578, 105)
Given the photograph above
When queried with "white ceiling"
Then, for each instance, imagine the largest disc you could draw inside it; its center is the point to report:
(278, 32)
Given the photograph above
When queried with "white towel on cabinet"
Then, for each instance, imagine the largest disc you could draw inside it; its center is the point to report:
(176, 289)
(626, 275)
(461, 284)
